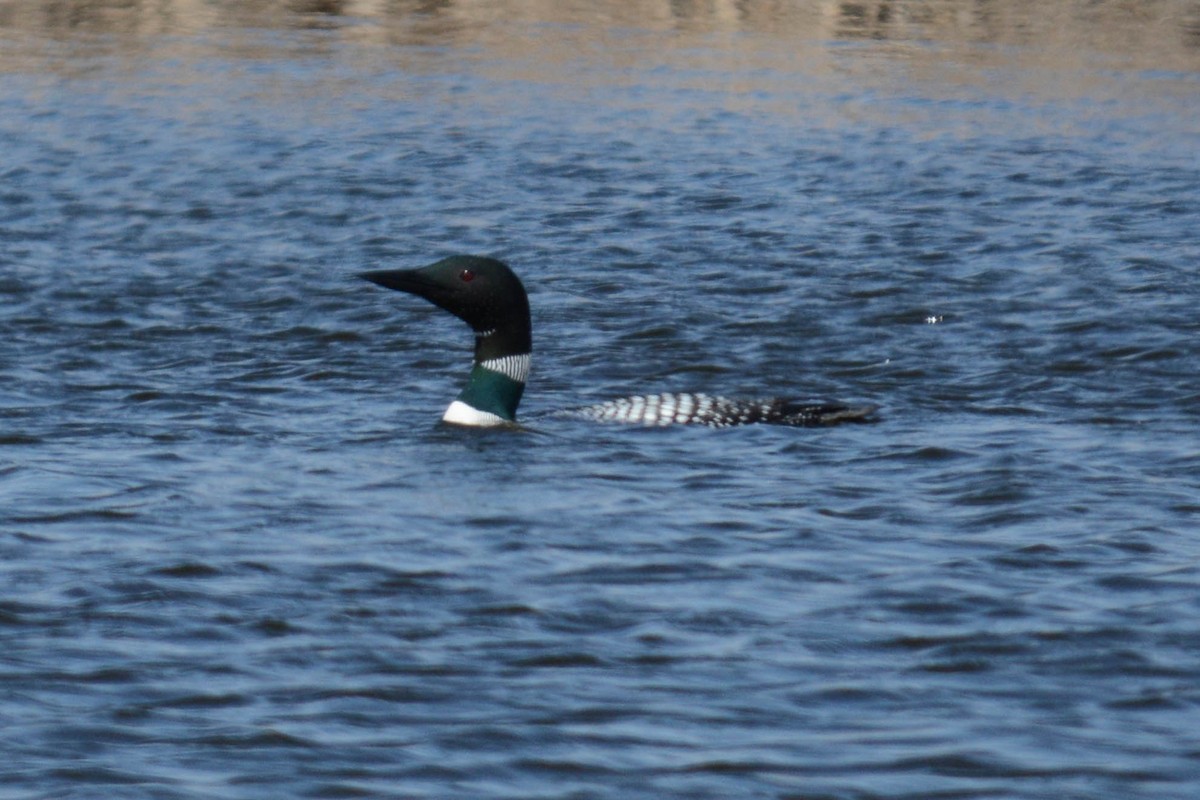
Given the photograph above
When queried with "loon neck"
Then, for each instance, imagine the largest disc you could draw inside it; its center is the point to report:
(498, 375)
(497, 379)
(492, 393)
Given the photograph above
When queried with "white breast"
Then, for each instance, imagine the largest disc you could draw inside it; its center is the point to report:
(459, 413)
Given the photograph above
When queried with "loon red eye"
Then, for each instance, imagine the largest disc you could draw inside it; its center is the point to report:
(467, 275)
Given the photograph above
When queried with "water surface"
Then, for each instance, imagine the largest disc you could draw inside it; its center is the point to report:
(239, 558)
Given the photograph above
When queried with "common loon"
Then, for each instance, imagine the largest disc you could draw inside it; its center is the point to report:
(488, 296)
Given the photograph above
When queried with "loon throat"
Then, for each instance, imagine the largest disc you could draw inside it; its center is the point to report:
(488, 296)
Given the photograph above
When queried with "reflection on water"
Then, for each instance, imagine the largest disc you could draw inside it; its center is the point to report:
(877, 62)
(1164, 35)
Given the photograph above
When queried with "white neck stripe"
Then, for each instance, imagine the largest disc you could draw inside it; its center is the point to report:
(514, 367)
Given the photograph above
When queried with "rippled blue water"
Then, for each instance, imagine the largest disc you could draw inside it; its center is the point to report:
(239, 558)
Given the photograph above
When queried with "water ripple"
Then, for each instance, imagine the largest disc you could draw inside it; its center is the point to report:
(240, 557)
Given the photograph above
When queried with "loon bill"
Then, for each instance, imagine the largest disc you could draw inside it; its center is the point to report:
(488, 296)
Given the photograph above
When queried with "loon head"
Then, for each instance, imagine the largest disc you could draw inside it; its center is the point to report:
(482, 292)
(488, 296)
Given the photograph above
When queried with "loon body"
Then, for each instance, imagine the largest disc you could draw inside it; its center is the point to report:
(488, 296)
